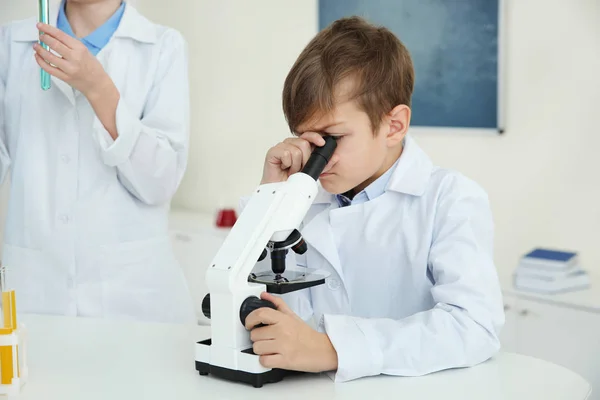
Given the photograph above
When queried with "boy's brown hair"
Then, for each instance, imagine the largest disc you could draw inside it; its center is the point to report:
(372, 56)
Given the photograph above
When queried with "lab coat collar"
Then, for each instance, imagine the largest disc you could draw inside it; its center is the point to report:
(412, 172)
(101, 36)
(410, 176)
(133, 26)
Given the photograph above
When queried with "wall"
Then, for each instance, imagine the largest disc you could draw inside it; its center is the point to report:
(542, 174)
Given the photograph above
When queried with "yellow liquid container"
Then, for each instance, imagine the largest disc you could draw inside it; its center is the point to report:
(13, 366)
(9, 314)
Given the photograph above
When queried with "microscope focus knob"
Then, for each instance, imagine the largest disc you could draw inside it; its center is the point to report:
(300, 247)
(253, 303)
(206, 306)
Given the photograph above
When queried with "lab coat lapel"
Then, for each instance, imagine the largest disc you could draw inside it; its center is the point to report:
(317, 232)
(65, 88)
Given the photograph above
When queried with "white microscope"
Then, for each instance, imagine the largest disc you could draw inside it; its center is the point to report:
(269, 221)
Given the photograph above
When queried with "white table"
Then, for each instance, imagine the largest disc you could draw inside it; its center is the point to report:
(76, 358)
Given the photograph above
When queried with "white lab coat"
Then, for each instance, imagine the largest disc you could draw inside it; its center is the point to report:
(86, 231)
(418, 291)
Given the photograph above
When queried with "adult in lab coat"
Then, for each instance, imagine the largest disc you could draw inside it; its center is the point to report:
(94, 162)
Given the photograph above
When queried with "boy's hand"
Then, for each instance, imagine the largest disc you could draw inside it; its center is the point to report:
(287, 341)
(289, 157)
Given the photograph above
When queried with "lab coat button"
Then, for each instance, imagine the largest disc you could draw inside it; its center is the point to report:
(333, 284)
(66, 159)
(64, 218)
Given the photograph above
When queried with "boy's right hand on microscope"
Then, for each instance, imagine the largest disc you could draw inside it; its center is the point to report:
(289, 157)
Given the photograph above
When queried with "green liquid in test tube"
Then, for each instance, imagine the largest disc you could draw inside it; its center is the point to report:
(44, 8)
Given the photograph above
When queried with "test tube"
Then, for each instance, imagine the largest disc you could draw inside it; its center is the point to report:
(44, 10)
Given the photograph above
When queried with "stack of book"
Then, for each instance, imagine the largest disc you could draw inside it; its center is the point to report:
(549, 271)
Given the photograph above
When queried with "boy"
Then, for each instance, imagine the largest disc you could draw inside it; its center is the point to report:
(408, 246)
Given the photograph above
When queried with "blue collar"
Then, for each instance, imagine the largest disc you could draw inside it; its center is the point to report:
(99, 38)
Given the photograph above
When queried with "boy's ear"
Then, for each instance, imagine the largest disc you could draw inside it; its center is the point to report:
(398, 122)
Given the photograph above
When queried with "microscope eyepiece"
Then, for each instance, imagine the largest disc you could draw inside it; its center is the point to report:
(320, 157)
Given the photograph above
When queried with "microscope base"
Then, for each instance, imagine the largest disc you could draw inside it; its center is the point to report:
(256, 379)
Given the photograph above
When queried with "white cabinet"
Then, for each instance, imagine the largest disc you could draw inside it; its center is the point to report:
(564, 335)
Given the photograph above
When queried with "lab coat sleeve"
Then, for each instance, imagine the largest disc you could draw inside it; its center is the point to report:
(150, 153)
(4, 157)
(462, 328)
